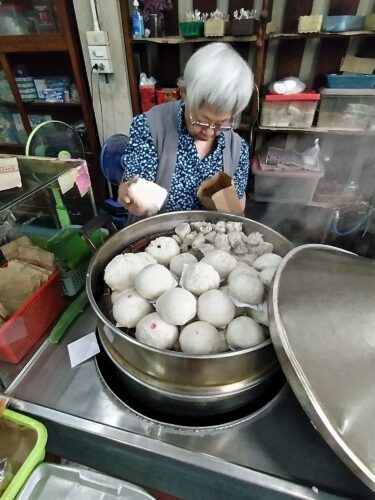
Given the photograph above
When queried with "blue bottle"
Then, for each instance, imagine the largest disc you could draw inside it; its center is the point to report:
(137, 21)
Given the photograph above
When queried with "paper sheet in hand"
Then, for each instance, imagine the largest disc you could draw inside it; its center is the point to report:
(83, 349)
(9, 174)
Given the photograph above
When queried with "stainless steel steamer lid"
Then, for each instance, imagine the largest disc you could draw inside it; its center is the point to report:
(322, 323)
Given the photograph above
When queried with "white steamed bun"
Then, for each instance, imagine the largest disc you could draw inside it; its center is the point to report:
(200, 277)
(121, 271)
(242, 269)
(216, 308)
(266, 275)
(177, 306)
(130, 308)
(222, 261)
(154, 280)
(116, 295)
(202, 338)
(244, 332)
(178, 261)
(148, 195)
(246, 289)
(267, 260)
(155, 332)
(163, 249)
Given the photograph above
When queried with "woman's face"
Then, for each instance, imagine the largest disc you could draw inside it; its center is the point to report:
(198, 121)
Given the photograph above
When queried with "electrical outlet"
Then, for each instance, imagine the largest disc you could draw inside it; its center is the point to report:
(99, 52)
(104, 65)
(97, 38)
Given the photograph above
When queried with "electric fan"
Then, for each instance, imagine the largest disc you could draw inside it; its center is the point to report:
(55, 139)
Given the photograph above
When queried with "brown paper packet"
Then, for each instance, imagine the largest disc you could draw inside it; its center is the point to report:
(18, 283)
(37, 256)
(45, 273)
(3, 312)
(218, 193)
(10, 250)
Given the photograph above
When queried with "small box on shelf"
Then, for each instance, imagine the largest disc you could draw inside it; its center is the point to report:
(289, 110)
(296, 186)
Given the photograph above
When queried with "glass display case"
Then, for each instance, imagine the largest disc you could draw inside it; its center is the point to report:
(54, 194)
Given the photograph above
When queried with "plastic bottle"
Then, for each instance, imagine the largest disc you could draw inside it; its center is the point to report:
(137, 21)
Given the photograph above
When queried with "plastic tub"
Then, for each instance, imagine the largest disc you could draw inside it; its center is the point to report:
(25, 327)
(74, 279)
(35, 456)
(370, 22)
(50, 481)
(336, 24)
(293, 110)
(350, 81)
(284, 187)
(347, 109)
(70, 249)
(191, 29)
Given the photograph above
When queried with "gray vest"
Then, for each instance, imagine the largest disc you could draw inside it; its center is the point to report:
(164, 127)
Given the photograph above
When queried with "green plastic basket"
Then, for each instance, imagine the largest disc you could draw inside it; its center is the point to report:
(36, 455)
(192, 29)
(73, 280)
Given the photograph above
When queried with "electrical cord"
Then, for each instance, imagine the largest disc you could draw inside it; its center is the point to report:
(101, 110)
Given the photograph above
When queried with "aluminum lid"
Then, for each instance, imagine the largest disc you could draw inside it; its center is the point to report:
(322, 323)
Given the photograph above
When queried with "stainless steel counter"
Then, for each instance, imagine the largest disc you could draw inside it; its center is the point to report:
(275, 454)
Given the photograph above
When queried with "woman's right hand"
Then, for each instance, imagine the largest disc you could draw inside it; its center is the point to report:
(125, 197)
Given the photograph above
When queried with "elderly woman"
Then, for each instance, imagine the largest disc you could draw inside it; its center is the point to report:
(179, 145)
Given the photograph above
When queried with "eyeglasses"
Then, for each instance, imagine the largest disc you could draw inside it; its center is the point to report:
(217, 128)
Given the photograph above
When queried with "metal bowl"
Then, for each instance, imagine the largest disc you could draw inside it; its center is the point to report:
(194, 374)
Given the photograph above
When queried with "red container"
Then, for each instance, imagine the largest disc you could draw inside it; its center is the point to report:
(167, 95)
(25, 327)
(147, 93)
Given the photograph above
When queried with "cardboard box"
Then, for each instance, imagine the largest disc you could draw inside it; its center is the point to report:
(218, 193)
(360, 65)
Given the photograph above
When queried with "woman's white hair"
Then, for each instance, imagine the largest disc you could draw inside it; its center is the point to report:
(217, 76)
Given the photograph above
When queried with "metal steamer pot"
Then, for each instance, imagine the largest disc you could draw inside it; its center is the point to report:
(195, 385)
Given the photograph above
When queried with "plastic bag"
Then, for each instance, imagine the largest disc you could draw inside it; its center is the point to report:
(288, 85)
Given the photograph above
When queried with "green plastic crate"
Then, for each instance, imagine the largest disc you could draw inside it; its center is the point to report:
(192, 29)
(36, 455)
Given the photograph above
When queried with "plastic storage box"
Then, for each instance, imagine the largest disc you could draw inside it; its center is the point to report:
(284, 186)
(310, 24)
(50, 481)
(293, 110)
(25, 327)
(191, 29)
(347, 109)
(350, 81)
(35, 456)
(337, 24)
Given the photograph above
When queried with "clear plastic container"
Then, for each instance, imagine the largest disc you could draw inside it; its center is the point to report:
(12, 21)
(297, 186)
(293, 110)
(347, 109)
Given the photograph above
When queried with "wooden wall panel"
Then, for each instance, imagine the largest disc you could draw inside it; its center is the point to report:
(204, 5)
(171, 21)
(332, 50)
(342, 7)
(293, 10)
(168, 69)
(239, 4)
(289, 59)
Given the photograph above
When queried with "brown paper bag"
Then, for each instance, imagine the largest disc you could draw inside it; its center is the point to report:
(10, 250)
(218, 193)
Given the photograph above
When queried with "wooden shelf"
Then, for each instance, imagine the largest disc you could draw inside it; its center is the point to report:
(12, 149)
(53, 42)
(44, 104)
(319, 34)
(173, 40)
(315, 130)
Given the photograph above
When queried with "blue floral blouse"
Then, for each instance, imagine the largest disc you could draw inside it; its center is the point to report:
(141, 159)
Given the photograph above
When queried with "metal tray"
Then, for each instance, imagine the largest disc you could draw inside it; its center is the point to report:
(56, 481)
